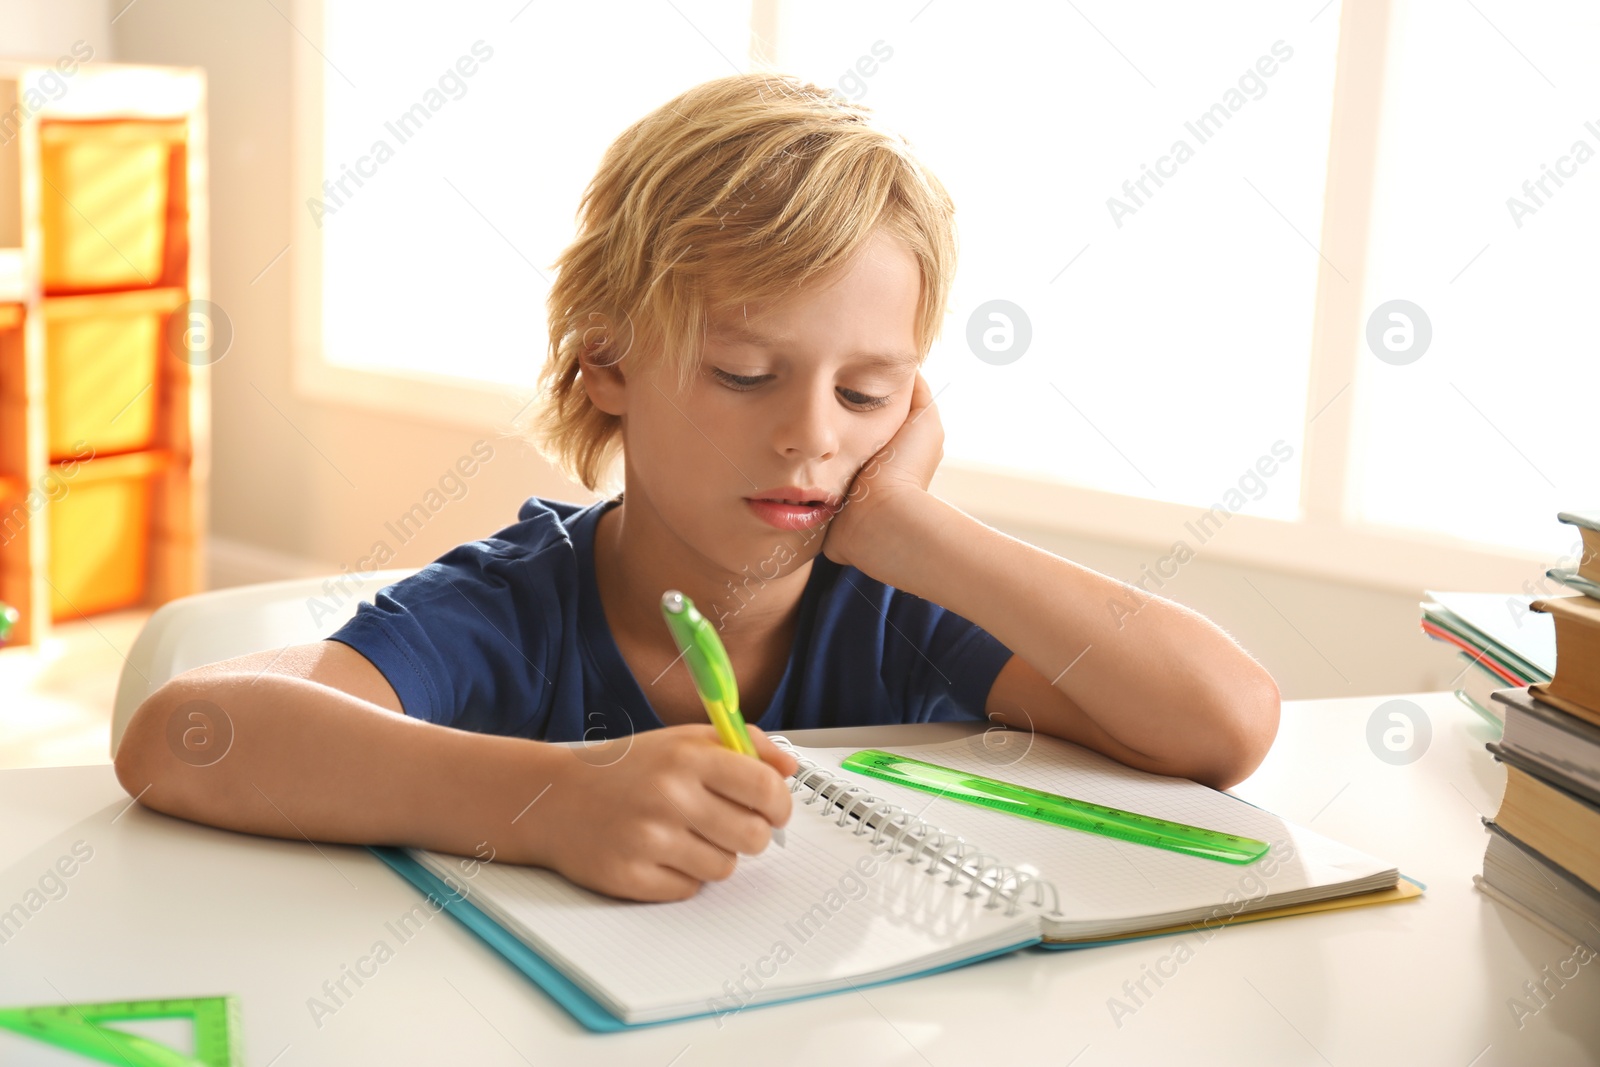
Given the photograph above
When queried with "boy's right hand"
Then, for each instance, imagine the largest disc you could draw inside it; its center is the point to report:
(653, 815)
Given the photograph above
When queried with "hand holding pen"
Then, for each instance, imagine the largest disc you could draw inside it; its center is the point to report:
(712, 672)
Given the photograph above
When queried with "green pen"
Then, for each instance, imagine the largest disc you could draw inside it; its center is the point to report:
(712, 673)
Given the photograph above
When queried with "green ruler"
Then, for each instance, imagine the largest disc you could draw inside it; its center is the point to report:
(89, 1030)
(1055, 809)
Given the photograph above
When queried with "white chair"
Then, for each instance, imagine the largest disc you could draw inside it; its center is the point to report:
(207, 627)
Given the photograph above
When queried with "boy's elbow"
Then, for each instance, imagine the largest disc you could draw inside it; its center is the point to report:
(1252, 715)
(138, 760)
(1248, 719)
(131, 761)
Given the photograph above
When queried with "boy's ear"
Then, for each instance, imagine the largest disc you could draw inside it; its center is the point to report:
(604, 381)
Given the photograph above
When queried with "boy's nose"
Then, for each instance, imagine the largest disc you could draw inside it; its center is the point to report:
(808, 430)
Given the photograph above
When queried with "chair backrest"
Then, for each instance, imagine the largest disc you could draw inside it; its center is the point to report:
(224, 623)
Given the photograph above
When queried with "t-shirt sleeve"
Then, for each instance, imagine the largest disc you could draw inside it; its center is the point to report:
(947, 664)
(470, 641)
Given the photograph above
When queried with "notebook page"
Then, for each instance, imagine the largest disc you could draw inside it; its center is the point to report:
(824, 912)
(1106, 881)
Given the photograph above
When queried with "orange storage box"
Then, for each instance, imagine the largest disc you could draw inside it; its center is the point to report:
(100, 532)
(102, 370)
(103, 203)
(13, 424)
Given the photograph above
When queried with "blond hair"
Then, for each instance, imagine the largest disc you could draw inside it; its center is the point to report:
(740, 190)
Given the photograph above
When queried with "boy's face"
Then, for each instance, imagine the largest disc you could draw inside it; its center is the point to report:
(797, 393)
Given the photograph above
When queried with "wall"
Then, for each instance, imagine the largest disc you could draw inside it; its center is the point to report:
(30, 29)
(305, 486)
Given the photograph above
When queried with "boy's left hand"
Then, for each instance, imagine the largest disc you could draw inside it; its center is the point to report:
(898, 472)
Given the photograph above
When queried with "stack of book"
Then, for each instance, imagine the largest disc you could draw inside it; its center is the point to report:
(1543, 858)
(1500, 643)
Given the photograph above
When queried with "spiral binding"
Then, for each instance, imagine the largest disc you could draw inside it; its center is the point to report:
(964, 860)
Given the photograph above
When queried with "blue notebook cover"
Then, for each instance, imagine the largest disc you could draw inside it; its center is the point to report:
(584, 1008)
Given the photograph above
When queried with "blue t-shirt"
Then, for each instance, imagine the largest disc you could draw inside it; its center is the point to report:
(508, 636)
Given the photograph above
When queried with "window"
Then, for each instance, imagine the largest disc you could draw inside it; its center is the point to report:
(458, 141)
(1140, 197)
(1483, 218)
(1163, 203)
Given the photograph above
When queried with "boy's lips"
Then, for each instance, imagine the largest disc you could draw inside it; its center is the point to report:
(799, 496)
(794, 507)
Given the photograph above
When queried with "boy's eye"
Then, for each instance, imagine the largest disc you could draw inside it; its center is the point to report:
(862, 401)
(740, 381)
(750, 381)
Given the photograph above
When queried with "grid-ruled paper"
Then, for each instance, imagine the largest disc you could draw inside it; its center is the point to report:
(789, 920)
(1103, 880)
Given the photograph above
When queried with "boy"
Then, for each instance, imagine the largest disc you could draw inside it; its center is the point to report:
(757, 277)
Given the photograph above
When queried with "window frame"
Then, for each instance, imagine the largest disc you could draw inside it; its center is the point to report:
(1326, 542)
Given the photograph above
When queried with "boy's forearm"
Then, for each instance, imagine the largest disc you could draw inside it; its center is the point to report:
(1166, 682)
(309, 762)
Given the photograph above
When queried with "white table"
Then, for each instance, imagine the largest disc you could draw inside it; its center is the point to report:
(169, 908)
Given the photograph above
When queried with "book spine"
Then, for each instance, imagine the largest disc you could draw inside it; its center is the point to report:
(943, 850)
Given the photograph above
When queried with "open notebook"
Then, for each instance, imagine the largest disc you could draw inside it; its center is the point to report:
(880, 882)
